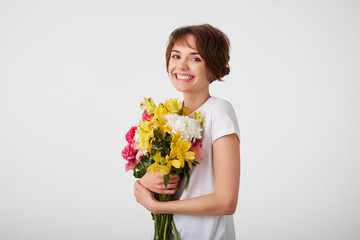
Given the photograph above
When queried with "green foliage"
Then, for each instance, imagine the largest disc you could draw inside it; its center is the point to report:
(142, 166)
(187, 173)
(161, 143)
(166, 179)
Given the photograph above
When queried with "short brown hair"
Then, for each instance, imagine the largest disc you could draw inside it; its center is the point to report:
(211, 43)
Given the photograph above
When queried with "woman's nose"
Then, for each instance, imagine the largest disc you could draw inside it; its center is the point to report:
(183, 65)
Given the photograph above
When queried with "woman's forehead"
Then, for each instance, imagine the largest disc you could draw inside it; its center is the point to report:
(186, 41)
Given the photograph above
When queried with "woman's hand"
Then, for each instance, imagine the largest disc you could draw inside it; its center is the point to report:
(144, 196)
(155, 183)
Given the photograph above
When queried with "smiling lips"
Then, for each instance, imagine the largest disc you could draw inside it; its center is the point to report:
(183, 76)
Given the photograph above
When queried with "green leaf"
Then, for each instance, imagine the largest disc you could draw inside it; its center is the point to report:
(187, 173)
(166, 179)
(178, 171)
(139, 173)
(168, 137)
(141, 168)
(195, 163)
(156, 132)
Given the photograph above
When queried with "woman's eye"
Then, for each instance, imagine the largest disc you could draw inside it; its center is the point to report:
(175, 56)
(196, 59)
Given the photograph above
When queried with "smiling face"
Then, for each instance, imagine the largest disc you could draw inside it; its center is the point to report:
(187, 70)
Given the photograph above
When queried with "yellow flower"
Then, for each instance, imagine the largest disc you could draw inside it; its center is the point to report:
(176, 137)
(146, 133)
(180, 149)
(186, 111)
(158, 121)
(197, 116)
(166, 128)
(173, 105)
(174, 162)
(148, 105)
(157, 165)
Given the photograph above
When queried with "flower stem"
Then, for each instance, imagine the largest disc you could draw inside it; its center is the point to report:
(166, 226)
(174, 230)
(156, 237)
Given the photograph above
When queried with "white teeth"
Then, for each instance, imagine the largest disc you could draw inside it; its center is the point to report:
(183, 77)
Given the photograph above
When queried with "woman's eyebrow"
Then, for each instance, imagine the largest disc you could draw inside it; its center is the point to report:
(192, 53)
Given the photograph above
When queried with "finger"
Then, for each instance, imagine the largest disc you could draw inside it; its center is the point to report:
(174, 180)
(171, 186)
(160, 190)
(174, 176)
(137, 185)
(159, 175)
(169, 192)
(135, 189)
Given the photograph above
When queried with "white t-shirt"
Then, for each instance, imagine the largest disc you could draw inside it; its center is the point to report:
(220, 120)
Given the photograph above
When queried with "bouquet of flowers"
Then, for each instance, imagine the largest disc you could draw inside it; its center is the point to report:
(168, 140)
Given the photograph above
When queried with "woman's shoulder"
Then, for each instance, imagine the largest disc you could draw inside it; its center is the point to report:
(221, 105)
(223, 119)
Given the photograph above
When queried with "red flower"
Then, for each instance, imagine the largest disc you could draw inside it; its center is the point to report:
(146, 116)
(129, 152)
(130, 165)
(130, 135)
(139, 156)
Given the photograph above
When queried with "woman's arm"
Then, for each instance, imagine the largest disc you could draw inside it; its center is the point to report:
(226, 160)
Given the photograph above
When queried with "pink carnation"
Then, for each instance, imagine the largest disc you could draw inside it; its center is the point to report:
(139, 156)
(129, 152)
(130, 135)
(130, 165)
(146, 116)
(197, 148)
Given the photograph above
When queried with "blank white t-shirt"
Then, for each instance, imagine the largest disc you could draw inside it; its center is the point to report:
(220, 120)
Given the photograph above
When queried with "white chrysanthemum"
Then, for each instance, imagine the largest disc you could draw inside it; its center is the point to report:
(189, 128)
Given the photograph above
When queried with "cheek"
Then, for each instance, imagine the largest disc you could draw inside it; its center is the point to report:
(170, 67)
(204, 72)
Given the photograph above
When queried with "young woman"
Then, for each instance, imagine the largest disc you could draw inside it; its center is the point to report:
(195, 57)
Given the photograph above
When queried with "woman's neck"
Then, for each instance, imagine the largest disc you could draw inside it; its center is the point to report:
(195, 100)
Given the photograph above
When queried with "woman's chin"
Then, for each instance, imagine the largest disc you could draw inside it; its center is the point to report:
(181, 89)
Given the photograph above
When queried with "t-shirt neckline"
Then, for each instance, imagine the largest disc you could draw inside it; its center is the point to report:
(204, 105)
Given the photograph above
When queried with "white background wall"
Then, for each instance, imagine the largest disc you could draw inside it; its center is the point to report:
(72, 74)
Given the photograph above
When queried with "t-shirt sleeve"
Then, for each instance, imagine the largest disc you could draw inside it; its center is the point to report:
(224, 121)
